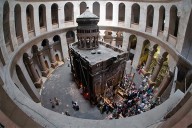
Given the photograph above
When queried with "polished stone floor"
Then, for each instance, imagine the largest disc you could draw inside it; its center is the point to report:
(61, 85)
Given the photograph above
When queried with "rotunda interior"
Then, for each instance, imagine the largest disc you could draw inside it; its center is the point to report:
(131, 69)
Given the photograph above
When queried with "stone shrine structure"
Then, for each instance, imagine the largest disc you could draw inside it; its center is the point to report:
(96, 66)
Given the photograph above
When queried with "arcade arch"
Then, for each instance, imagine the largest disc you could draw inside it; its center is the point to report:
(109, 11)
(70, 36)
(68, 11)
(54, 15)
(161, 19)
(135, 13)
(150, 15)
(121, 12)
(18, 24)
(83, 7)
(30, 21)
(96, 9)
(42, 17)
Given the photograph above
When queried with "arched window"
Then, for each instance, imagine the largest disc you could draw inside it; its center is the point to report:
(30, 18)
(83, 7)
(70, 36)
(135, 14)
(56, 38)
(161, 18)
(121, 12)
(132, 46)
(6, 27)
(96, 9)
(68, 10)
(144, 52)
(109, 11)
(174, 21)
(45, 43)
(42, 16)
(54, 14)
(18, 25)
(150, 14)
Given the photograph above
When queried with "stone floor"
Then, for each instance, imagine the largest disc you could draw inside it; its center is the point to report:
(61, 85)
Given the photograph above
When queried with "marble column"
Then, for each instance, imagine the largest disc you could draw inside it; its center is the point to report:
(37, 79)
(44, 69)
(164, 84)
(149, 59)
(52, 56)
(157, 68)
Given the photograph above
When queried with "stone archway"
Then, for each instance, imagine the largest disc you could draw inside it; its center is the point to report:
(96, 9)
(109, 11)
(68, 10)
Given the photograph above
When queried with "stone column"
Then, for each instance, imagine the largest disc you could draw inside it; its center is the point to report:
(143, 17)
(127, 15)
(166, 27)
(155, 21)
(76, 12)
(48, 18)
(149, 59)
(115, 14)
(138, 51)
(12, 29)
(44, 69)
(52, 55)
(164, 84)
(61, 16)
(157, 68)
(102, 13)
(37, 80)
(24, 24)
(36, 21)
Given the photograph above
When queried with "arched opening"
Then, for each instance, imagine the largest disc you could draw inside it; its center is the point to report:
(54, 15)
(135, 14)
(42, 17)
(108, 36)
(174, 21)
(109, 11)
(70, 36)
(6, 27)
(132, 46)
(46, 63)
(161, 19)
(25, 84)
(56, 38)
(34, 49)
(149, 22)
(96, 9)
(187, 45)
(30, 20)
(45, 43)
(18, 24)
(83, 7)
(121, 12)
(68, 10)
(144, 53)
(57, 57)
